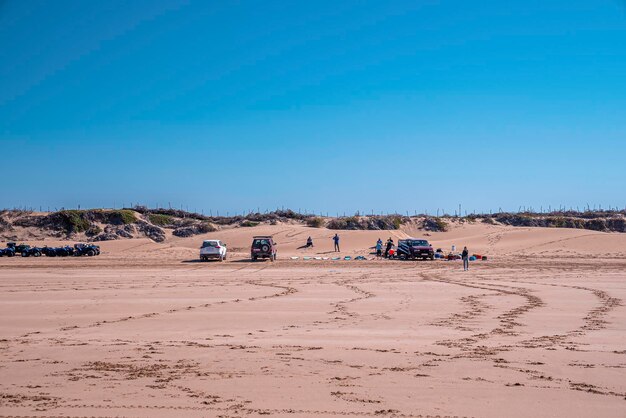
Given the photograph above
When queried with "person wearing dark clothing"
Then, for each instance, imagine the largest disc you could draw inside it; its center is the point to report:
(388, 247)
(465, 257)
(309, 242)
(336, 240)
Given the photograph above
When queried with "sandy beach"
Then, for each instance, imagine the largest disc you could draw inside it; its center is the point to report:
(147, 143)
(145, 330)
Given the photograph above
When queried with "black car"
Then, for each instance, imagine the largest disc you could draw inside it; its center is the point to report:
(411, 249)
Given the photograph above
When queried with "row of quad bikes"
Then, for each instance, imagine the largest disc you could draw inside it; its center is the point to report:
(25, 250)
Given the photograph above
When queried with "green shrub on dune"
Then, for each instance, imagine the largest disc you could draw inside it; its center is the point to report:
(204, 227)
(315, 222)
(249, 223)
(159, 219)
(74, 220)
(123, 216)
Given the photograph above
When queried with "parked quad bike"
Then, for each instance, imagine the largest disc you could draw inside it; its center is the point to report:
(7, 252)
(58, 251)
(18, 249)
(32, 252)
(86, 249)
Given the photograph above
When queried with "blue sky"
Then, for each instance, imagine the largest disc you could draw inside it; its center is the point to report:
(327, 106)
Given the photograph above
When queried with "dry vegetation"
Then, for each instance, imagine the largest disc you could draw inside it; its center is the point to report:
(110, 224)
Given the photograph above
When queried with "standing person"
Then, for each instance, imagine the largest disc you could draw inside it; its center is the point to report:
(336, 240)
(388, 247)
(465, 257)
(379, 248)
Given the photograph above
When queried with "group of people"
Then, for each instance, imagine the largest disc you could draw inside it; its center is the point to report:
(309, 242)
(389, 248)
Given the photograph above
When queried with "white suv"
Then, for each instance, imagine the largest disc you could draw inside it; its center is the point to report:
(212, 248)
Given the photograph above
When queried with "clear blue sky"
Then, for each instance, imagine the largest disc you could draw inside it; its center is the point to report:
(324, 105)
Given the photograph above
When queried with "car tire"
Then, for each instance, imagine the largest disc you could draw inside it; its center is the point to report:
(91, 253)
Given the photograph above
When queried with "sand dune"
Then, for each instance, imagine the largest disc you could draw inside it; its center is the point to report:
(146, 330)
(496, 241)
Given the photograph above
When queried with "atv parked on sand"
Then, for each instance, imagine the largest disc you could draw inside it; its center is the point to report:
(18, 249)
(32, 252)
(412, 249)
(263, 247)
(58, 251)
(7, 252)
(86, 249)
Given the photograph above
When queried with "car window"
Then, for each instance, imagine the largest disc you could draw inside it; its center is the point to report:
(206, 244)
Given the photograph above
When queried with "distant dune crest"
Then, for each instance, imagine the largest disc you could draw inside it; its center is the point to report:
(159, 224)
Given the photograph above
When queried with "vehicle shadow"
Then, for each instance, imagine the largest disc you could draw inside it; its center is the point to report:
(244, 260)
